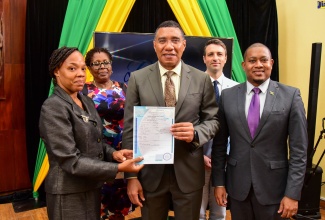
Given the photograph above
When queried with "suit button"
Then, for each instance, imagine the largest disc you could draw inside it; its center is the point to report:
(95, 124)
(98, 140)
(252, 145)
(100, 155)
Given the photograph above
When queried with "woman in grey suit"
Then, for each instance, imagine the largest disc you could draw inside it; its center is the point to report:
(72, 132)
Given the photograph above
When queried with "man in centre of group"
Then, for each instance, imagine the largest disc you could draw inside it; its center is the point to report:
(195, 123)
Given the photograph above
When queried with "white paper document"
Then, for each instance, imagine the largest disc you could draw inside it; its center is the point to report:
(152, 138)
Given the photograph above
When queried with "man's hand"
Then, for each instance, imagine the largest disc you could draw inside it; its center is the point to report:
(183, 131)
(221, 196)
(135, 191)
(288, 207)
(207, 162)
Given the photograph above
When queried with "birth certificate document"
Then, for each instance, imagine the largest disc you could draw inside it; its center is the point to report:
(152, 138)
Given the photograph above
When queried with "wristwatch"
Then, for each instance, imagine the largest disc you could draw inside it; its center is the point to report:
(196, 141)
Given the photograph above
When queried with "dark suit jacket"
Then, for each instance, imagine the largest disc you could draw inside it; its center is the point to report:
(196, 104)
(74, 145)
(262, 162)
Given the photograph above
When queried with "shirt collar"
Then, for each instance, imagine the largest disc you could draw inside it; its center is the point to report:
(177, 69)
(220, 79)
(263, 87)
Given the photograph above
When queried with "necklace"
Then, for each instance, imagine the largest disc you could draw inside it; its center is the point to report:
(107, 86)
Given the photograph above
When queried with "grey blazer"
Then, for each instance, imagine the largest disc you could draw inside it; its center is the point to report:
(196, 104)
(73, 140)
(262, 162)
(226, 84)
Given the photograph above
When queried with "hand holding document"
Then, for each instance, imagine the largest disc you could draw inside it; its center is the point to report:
(152, 138)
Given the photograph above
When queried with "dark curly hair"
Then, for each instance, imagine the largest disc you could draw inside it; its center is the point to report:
(90, 54)
(58, 57)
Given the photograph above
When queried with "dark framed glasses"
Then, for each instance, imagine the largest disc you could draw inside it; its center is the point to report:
(98, 65)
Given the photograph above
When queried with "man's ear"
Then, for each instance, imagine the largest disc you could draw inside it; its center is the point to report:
(243, 65)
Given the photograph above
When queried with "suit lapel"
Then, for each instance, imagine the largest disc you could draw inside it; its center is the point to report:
(184, 85)
(155, 81)
(270, 98)
(86, 114)
(241, 99)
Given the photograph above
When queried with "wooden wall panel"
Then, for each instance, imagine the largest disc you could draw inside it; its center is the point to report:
(18, 96)
(7, 167)
(5, 104)
(1, 52)
(22, 180)
(17, 30)
(7, 30)
(13, 155)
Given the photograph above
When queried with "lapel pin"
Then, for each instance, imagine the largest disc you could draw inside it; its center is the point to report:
(271, 93)
(85, 118)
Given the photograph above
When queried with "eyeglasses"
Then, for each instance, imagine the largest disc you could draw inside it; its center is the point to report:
(97, 65)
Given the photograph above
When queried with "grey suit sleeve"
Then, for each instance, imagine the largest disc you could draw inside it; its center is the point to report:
(108, 150)
(209, 124)
(298, 143)
(219, 150)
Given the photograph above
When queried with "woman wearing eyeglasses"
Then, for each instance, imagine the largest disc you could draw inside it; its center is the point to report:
(109, 98)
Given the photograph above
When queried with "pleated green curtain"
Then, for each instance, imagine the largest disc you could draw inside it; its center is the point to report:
(77, 26)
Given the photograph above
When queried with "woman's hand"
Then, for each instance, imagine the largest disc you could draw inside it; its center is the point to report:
(122, 155)
(130, 165)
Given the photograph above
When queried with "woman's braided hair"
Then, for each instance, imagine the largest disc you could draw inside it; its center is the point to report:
(58, 57)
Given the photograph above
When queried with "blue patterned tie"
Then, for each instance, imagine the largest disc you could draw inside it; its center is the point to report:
(216, 90)
(253, 116)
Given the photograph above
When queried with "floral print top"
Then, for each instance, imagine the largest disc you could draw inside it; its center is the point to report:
(110, 107)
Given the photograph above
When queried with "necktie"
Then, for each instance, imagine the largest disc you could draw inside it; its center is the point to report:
(253, 117)
(170, 96)
(216, 90)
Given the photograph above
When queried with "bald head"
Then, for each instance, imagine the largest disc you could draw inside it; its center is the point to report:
(257, 45)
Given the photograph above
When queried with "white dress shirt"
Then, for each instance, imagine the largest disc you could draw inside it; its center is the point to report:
(175, 77)
(220, 82)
